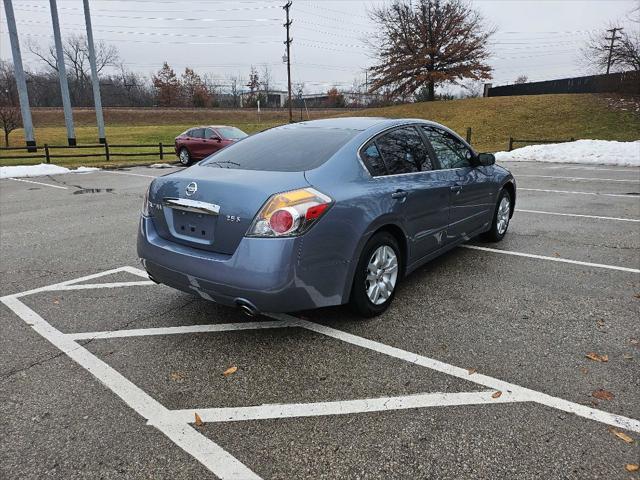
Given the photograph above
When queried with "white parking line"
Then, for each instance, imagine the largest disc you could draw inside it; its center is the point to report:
(145, 332)
(342, 407)
(175, 423)
(633, 197)
(38, 183)
(552, 259)
(580, 178)
(130, 174)
(578, 215)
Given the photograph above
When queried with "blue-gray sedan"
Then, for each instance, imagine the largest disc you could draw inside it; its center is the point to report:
(321, 213)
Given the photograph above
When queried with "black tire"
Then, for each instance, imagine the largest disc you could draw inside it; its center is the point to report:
(497, 232)
(184, 157)
(360, 302)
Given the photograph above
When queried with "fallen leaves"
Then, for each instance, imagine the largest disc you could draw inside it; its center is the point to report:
(472, 370)
(602, 394)
(177, 376)
(230, 371)
(496, 394)
(632, 467)
(56, 302)
(199, 421)
(634, 341)
(621, 435)
(596, 357)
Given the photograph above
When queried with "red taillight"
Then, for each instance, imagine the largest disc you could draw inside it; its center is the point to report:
(281, 221)
(316, 211)
(290, 213)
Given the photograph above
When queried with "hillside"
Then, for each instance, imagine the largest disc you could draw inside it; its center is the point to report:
(494, 120)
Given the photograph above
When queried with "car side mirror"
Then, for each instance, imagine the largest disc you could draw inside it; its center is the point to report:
(486, 159)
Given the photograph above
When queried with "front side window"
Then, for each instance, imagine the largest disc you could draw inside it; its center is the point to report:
(231, 133)
(451, 152)
(209, 134)
(403, 151)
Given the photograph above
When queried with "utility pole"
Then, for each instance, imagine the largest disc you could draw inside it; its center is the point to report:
(62, 74)
(21, 82)
(287, 42)
(97, 101)
(613, 39)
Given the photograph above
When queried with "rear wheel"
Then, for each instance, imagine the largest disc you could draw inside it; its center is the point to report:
(501, 218)
(184, 156)
(377, 274)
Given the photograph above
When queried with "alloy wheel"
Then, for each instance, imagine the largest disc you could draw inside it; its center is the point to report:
(382, 274)
(504, 209)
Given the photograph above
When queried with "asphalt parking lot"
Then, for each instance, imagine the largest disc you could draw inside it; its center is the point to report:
(479, 369)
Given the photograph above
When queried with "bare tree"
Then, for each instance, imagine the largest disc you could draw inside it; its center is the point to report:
(625, 52)
(521, 79)
(427, 43)
(10, 119)
(265, 81)
(473, 89)
(8, 89)
(76, 57)
(234, 83)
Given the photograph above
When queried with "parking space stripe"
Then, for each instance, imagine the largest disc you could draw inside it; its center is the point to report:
(623, 195)
(599, 217)
(580, 178)
(341, 407)
(130, 174)
(90, 286)
(209, 453)
(144, 332)
(552, 259)
(38, 183)
(518, 392)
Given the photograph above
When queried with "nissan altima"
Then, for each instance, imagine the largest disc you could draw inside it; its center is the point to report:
(321, 213)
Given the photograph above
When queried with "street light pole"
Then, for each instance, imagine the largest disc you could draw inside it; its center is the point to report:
(62, 75)
(97, 101)
(21, 82)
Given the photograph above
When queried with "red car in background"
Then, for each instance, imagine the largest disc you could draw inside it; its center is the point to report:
(200, 142)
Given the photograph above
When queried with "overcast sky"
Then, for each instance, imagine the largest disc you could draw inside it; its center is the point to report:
(537, 38)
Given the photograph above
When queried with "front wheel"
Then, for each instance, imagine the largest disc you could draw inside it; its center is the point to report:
(377, 273)
(501, 218)
(184, 156)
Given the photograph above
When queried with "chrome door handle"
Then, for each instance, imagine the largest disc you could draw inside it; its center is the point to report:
(399, 195)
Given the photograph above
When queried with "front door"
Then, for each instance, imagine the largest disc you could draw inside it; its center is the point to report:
(472, 190)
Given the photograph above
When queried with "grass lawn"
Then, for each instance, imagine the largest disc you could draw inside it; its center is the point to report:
(493, 121)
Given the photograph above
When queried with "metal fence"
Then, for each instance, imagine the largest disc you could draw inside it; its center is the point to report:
(46, 152)
(622, 82)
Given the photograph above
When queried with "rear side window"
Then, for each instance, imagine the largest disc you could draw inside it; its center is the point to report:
(403, 151)
(197, 133)
(373, 160)
(283, 149)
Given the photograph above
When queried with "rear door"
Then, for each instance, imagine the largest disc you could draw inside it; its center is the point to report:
(472, 189)
(400, 162)
(196, 144)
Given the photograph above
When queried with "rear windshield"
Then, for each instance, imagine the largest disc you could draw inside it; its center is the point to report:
(282, 149)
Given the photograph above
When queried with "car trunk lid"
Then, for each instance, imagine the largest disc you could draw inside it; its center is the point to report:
(212, 208)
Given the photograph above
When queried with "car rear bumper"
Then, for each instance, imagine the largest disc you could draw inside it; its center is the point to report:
(265, 274)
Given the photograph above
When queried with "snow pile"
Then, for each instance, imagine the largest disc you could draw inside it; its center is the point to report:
(40, 170)
(592, 152)
(161, 165)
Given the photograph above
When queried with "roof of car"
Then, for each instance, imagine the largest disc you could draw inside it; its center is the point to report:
(353, 123)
